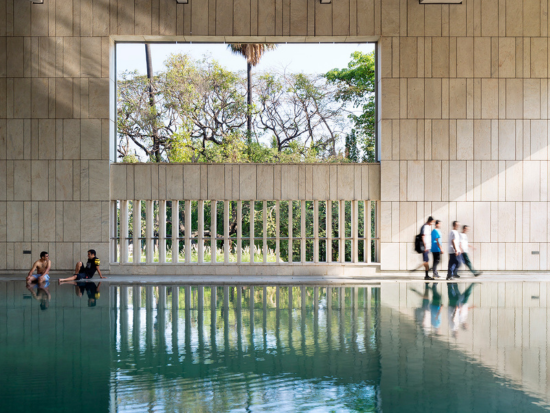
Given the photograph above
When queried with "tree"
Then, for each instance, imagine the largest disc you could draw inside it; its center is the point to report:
(299, 113)
(150, 127)
(197, 114)
(356, 84)
(210, 103)
(253, 53)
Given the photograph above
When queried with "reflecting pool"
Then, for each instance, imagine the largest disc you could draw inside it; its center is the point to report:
(392, 347)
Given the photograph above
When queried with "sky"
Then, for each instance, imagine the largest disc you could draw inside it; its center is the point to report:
(307, 58)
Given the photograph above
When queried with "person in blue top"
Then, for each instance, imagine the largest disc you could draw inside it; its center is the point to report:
(437, 250)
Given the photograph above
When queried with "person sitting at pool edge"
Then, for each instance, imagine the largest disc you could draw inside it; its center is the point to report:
(86, 273)
(42, 267)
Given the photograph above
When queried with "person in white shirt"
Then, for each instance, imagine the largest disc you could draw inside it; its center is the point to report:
(454, 252)
(464, 246)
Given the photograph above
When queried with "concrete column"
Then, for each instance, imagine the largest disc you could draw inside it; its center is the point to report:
(175, 232)
(290, 224)
(187, 233)
(162, 232)
(303, 232)
(149, 232)
(200, 237)
(264, 217)
(277, 231)
(239, 232)
(251, 242)
(368, 231)
(342, 231)
(213, 230)
(316, 231)
(123, 232)
(329, 231)
(136, 224)
(355, 231)
(226, 245)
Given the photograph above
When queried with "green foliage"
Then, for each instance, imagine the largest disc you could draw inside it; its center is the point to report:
(357, 85)
(130, 158)
(199, 114)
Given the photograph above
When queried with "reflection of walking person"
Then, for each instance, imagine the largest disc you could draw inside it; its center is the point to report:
(454, 252)
(454, 312)
(435, 309)
(423, 314)
(464, 306)
(464, 246)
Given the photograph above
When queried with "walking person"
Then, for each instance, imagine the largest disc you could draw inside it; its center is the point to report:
(454, 252)
(437, 249)
(464, 246)
(426, 235)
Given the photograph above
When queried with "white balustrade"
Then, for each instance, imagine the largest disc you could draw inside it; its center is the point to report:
(354, 231)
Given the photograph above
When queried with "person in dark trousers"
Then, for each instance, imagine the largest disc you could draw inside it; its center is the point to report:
(464, 247)
(87, 272)
(91, 289)
(437, 249)
(454, 252)
(426, 232)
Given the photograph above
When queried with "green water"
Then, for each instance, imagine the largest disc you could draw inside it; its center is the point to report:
(395, 347)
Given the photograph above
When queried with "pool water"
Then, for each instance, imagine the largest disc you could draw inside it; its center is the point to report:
(392, 347)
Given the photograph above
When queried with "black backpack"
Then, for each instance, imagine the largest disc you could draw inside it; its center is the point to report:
(418, 243)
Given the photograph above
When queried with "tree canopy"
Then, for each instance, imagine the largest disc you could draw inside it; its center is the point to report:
(356, 84)
(200, 114)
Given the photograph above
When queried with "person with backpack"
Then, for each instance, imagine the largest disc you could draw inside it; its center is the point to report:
(423, 243)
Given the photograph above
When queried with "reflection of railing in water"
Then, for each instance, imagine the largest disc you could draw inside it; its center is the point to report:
(281, 327)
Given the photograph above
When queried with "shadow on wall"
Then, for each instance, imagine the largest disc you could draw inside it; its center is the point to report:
(498, 185)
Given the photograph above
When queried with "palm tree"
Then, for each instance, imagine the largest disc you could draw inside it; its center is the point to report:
(253, 53)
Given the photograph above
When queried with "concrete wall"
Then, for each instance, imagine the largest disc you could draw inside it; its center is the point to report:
(463, 113)
(464, 128)
(245, 182)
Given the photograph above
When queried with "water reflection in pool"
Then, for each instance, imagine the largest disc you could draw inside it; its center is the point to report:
(390, 347)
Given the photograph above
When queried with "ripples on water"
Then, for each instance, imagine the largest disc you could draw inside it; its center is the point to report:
(395, 347)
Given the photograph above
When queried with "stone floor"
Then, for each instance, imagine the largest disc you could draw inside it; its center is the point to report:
(389, 277)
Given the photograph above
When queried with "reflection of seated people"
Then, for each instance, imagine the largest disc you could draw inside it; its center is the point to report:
(92, 290)
(42, 293)
(42, 267)
(87, 272)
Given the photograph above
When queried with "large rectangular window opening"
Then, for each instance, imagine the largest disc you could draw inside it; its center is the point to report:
(240, 103)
